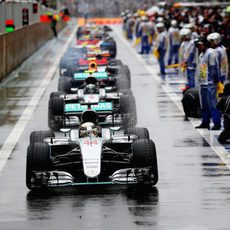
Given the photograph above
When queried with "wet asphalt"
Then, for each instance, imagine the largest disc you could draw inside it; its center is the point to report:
(193, 192)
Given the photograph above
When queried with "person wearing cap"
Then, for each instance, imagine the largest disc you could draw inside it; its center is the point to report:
(161, 45)
(208, 78)
(215, 43)
(174, 43)
(223, 106)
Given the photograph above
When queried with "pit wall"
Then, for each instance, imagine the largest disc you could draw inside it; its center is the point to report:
(16, 46)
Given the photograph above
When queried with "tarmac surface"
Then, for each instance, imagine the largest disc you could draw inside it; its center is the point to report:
(193, 191)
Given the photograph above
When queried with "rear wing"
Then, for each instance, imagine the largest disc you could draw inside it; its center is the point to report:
(101, 108)
(97, 75)
(102, 61)
(106, 107)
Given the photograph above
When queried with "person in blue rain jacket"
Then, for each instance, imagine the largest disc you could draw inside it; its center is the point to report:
(161, 45)
(190, 62)
(144, 33)
(215, 42)
(208, 79)
(174, 43)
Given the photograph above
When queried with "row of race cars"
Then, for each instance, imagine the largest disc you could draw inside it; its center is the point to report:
(93, 138)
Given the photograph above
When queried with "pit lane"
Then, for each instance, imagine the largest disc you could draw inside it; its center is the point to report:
(193, 187)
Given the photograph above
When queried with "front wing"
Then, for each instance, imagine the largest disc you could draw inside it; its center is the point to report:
(127, 176)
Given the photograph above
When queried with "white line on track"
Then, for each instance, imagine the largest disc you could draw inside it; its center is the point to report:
(209, 136)
(20, 126)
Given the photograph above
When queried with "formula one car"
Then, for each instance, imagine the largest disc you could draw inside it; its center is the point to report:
(113, 108)
(97, 36)
(95, 29)
(107, 75)
(86, 157)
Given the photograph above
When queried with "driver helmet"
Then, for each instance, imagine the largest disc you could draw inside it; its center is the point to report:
(91, 88)
(88, 129)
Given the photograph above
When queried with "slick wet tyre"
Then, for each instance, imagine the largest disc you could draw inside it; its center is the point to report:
(128, 110)
(64, 84)
(39, 136)
(115, 62)
(55, 112)
(125, 71)
(142, 133)
(55, 94)
(56, 106)
(144, 155)
(123, 82)
(126, 92)
(38, 159)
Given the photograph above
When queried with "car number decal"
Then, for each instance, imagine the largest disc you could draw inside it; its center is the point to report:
(90, 142)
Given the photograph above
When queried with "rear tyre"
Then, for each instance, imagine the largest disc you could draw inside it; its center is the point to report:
(128, 110)
(127, 92)
(55, 94)
(39, 136)
(55, 113)
(138, 131)
(125, 70)
(123, 82)
(115, 62)
(64, 84)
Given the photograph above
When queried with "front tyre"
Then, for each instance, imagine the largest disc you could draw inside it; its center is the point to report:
(38, 159)
(144, 155)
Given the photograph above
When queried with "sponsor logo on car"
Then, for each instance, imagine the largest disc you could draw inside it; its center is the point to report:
(77, 107)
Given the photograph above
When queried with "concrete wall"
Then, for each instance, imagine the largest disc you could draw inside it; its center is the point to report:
(15, 47)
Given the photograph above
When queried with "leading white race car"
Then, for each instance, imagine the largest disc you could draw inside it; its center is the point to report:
(87, 156)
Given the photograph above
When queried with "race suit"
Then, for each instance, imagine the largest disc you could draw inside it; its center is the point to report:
(208, 77)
